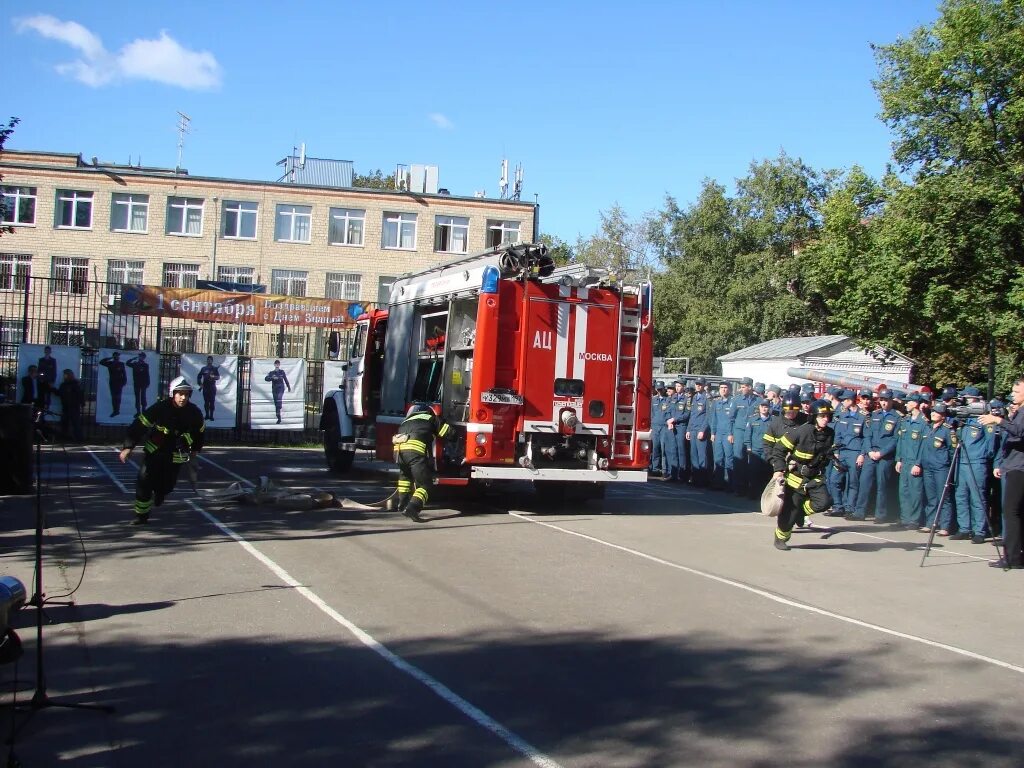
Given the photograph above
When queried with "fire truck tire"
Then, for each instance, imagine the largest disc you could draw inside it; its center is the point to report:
(338, 460)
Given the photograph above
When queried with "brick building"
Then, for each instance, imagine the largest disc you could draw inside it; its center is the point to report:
(77, 221)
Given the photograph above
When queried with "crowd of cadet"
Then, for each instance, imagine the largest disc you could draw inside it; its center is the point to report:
(887, 457)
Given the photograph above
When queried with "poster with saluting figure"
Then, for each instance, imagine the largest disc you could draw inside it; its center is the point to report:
(214, 379)
(127, 383)
(277, 393)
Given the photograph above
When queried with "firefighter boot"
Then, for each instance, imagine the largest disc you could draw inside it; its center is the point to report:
(412, 509)
(403, 502)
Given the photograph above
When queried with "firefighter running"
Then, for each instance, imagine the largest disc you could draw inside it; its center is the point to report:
(801, 454)
(173, 432)
(414, 453)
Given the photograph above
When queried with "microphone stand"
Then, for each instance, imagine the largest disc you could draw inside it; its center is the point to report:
(40, 699)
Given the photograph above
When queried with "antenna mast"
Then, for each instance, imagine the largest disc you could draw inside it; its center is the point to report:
(183, 121)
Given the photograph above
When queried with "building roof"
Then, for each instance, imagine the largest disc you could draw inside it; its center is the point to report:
(318, 172)
(790, 347)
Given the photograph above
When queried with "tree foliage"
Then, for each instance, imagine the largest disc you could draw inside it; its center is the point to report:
(373, 180)
(5, 133)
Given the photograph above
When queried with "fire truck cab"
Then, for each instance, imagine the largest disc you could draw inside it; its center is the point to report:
(544, 372)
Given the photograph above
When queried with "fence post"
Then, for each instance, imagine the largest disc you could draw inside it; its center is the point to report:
(24, 310)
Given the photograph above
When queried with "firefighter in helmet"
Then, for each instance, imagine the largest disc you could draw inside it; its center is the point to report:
(173, 433)
(808, 451)
(414, 452)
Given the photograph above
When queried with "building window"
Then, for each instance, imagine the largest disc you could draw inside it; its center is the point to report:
(185, 216)
(74, 209)
(288, 282)
(241, 275)
(451, 234)
(120, 272)
(65, 334)
(502, 233)
(19, 206)
(293, 223)
(130, 213)
(180, 275)
(346, 226)
(181, 340)
(11, 334)
(399, 231)
(240, 220)
(69, 275)
(384, 284)
(230, 342)
(15, 269)
(343, 285)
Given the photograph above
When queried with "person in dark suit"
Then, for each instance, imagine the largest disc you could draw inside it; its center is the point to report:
(48, 373)
(208, 377)
(71, 401)
(278, 381)
(140, 380)
(117, 377)
(33, 389)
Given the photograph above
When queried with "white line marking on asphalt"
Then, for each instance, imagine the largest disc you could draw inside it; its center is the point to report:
(99, 463)
(778, 598)
(439, 688)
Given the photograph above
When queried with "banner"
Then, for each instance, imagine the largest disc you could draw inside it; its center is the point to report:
(126, 384)
(50, 363)
(225, 307)
(277, 393)
(215, 382)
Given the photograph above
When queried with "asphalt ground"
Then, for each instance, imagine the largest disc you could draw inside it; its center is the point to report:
(660, 628)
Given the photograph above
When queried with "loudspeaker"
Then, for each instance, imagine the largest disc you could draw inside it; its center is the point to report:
(16, 432)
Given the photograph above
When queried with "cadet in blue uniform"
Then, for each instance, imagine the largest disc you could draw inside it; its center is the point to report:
(975, 467)
(937, 457)
(722, 417)
(876, 475)
(909, 464)
(668, 437)
(744, 409)
(657, 427)
(849, 429)
(698, 433)
(680, 418)
(758, 468)
(773, 395)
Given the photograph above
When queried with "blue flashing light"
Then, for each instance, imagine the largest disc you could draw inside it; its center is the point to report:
(490, 279)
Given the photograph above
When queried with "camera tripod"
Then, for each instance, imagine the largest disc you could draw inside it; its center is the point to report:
(40, 698)
(949, 488)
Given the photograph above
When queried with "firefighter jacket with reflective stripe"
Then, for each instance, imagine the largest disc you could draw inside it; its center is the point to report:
(418, 431)
(775, 450)
(810, 448)
(165, 428)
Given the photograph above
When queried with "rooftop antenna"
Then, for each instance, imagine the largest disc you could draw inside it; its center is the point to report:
(517, 188)
(503, 181)
(183, 121)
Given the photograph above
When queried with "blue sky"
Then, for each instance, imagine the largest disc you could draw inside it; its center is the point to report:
(600, 102)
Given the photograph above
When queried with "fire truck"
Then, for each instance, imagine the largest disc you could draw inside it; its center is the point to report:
(544, 373)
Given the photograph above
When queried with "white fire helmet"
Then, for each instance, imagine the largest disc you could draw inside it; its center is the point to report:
(180, 384)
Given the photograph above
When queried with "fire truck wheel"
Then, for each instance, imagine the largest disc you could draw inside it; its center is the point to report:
(338, 460)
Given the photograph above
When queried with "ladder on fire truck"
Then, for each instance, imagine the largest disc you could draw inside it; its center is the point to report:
(631, 322)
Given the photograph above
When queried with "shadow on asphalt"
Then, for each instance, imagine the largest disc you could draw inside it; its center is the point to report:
(687, 700)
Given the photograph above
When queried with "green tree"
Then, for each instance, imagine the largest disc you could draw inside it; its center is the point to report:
(5, 133)
(622, 246)
(558, 249)
(373, 180)
(952, 95)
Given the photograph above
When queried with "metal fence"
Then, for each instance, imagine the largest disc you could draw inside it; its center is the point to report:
(86, 314)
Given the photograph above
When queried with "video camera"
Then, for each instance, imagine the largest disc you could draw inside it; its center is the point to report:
(961, 409)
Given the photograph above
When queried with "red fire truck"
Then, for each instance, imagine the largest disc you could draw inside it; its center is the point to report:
(544, 372)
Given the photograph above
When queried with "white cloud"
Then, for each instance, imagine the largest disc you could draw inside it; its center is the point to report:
(162, 60)
(441, 121)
